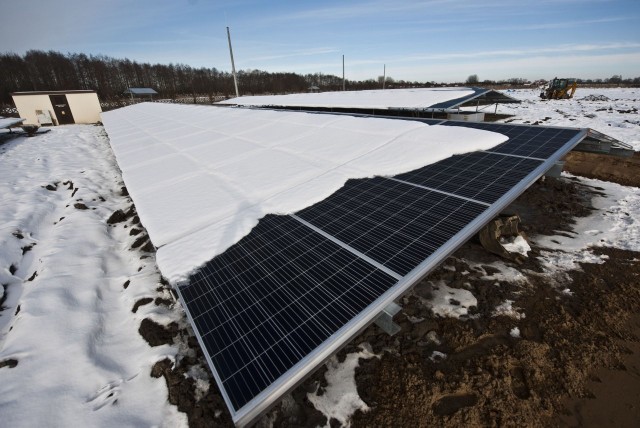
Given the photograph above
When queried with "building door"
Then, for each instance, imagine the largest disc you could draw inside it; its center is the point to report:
(62, 109)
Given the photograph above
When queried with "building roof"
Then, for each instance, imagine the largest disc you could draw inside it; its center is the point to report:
(73, 91)
(140, 91)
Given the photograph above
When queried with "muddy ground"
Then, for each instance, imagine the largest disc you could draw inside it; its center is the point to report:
(576, 362)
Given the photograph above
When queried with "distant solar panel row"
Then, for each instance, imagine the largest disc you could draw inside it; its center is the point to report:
(289, 289)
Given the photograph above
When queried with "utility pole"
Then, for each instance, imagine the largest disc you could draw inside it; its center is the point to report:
(233, 65)
(384, 75)
(343, 86)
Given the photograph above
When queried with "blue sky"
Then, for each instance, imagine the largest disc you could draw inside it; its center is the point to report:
(431, 40)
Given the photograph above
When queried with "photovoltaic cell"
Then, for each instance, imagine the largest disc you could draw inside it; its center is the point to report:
(396, 224)
(269, 300)
(290, 289)
(530, 141)
(481, 176)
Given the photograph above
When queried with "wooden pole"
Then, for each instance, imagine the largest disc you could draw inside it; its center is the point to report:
(343, 85)
(233, 65)
(384, 75)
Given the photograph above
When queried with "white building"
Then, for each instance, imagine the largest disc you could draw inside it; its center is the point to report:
(58, 107)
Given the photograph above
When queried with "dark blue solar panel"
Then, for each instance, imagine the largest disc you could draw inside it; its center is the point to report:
(529, 141)
(273, 297)
(480, 175)
(396, 224)
(458, 101)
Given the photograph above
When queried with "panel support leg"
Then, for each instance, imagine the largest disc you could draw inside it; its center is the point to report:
(384, 320)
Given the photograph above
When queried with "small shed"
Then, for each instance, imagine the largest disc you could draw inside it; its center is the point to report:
(141, 92)
(58, 107)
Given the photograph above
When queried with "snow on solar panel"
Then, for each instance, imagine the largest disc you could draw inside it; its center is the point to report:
(285, 296)
(202, 176)
(419, 98)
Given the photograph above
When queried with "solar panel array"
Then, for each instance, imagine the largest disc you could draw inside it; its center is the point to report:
(458, 101)
(277, 303)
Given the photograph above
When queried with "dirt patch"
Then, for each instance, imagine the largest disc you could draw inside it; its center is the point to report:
(3, 296)
(139, 241)
(141, 302)
(27, 248)
(156, 334)
(604, 167)
(552, 204)
(117, 217)
(618, 391)
(202, 410)
(11, 363)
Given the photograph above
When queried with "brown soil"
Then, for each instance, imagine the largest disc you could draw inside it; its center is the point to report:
(492, 379)
(603, 167)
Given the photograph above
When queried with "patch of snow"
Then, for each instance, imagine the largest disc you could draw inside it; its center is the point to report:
(201, 177)
(414, 320)
(450, 302)
(614, 223)
(340, 399)
(515, 332)
(506, 309)
(517, 245)
(437, 356)
(505, 273)
(201, 378)
(370, 99)
(432, 336)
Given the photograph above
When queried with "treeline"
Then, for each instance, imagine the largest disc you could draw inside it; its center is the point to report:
(110, 77)
(53, 71)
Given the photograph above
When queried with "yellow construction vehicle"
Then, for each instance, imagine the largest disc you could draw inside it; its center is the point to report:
(559, 89)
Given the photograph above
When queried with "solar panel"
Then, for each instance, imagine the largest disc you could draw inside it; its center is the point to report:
(273, 306)
(480, 176)
(268, 301)
(539, 142)
(394, 223)
(458, 101)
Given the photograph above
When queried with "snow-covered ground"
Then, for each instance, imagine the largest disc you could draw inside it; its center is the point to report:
(614, 223)
(70, 351)
(67, 323)
(615, 115)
